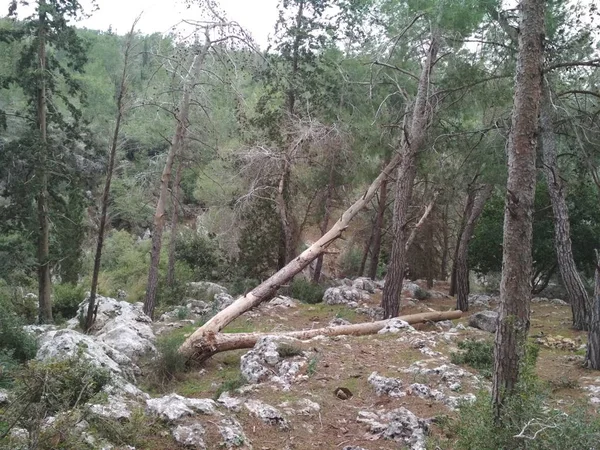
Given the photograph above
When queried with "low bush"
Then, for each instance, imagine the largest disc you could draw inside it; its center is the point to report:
(13, 338)
(477, 354)
(230, 385)
(289, 350)
(169, 364)
(67, 298)
(306, 292)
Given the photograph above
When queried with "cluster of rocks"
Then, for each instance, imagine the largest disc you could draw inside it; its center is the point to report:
(203, 299)
(400, 425)
(275, 359)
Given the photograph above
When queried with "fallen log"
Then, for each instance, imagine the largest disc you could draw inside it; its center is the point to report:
(266, 289)
(211, 343)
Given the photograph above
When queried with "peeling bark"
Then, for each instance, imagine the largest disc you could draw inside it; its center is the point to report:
(592, 356)
(411, 144)
(576, 293)
(462, 256)
(515, 287)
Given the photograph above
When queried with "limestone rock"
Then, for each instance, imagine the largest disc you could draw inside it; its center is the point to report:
(338, 321)
(264, 363)
(192, 436)
(399, 425)
(121, 325)
(229, 402)
(344, 295)
(3, 397)
(386, 386)
(267, 413)
(302, 407)
(116, 408)
(222, 301)
(233, 434)
(484, 320)
(481, 300)
(205, 290)
(283, 301)
(395, 325)
(173, 406)
(364, 284)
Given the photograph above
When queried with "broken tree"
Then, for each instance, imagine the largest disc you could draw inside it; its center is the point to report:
(222, 342)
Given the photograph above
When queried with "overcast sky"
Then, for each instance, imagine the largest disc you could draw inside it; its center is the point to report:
(257, 16)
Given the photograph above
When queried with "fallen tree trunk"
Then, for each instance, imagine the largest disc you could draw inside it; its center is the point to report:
(221, 342)
(267, 288)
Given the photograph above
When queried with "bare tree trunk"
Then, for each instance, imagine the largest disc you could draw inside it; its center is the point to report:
(176, 144)
(377, 229)
(43, 250)
(327, 214)
(445, 244)
(284, 214)
(422, 220)
(592, 356)
(89, 321)
(366, 253)
(222, 342)
(407, 170)
(266, 289)
(515, 287)
(174, 223)
(462, 257)
(463, 223)
(576, 293)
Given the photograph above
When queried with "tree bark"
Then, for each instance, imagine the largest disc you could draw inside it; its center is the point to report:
(176, 144)
(222, 342)
(462, 257)
(377, 229)
(43, 250)
(411, 145)
(515, 287)
(284, 214)
(576, 293)
(268, 287)
(327, 214)
(592, 356)
(90, 317)
(174, 223)
(422, 220)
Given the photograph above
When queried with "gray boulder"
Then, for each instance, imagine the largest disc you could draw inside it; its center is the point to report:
(399, 425)
(344, 295)
(395, 325)
(386, 386)
(267, 414)
(484, 320)
(233, 434)
(205, 290)
(191, 436)
(264, 363)
(121, 325)
(364, 284)
(222, 301)
(173, 407)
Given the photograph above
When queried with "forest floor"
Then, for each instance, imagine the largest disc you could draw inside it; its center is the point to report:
(348, 361)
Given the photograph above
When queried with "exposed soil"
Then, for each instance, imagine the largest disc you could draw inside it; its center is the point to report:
(348, 361)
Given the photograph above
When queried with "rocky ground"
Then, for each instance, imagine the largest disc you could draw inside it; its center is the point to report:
(383, 391)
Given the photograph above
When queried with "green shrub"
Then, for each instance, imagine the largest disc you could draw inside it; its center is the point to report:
(239, 286)
(67, 298)
(349, 262)
(230, 385)
(306, 292)
(8, 366)
(525, 413)
(477, 354)
(289, 350)
(421, 294)
(12, 337)
(169, 364)
(202, 254)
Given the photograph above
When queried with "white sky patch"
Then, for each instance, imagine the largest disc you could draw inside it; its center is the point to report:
(258, 17)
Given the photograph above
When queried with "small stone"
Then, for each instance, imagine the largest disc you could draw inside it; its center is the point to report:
(395, 325)
(386, 386)
(233, 434)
